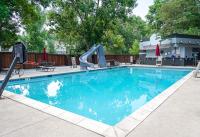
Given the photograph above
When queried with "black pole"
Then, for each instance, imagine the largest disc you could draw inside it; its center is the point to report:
(5, 81)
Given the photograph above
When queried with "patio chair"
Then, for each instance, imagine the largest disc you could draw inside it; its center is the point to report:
(131, 60)
(159, 61)
(19, 70)
(73, 60)
(111, 63)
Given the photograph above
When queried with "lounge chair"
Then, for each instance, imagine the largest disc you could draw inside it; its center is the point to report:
(33, 64)
(46, 66)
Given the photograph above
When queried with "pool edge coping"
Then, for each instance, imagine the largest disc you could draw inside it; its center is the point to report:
(62, 73)
(122, 128)
(142, 113)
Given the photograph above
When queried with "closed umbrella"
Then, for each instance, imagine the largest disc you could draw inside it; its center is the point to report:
(44, 54)
(157, 50)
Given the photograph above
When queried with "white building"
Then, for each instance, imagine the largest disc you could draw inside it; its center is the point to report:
(179, 46)
(183, 46)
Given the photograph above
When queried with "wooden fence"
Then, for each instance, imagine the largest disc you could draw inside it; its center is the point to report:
(60, 60)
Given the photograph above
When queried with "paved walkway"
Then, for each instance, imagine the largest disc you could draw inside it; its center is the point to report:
(179, 116)
(33, 72)
(18, 120)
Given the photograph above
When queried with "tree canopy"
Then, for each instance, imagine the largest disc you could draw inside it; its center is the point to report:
(78, 24)
(85, 22)
(14, 15)
(175, 16)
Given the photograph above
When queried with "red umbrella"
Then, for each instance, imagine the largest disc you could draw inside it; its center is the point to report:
(44, 54)
(157, 50)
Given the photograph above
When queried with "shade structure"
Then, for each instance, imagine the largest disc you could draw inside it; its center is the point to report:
(157, 50)
(44, 55)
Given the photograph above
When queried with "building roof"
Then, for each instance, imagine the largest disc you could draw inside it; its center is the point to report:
(170, 40)
(176, 35)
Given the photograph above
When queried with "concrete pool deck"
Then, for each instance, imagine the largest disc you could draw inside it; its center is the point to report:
(178, 116)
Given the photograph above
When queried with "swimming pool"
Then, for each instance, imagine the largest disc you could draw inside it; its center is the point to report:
(106, 95)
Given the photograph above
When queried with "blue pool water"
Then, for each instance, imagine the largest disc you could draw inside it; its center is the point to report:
(104, 95)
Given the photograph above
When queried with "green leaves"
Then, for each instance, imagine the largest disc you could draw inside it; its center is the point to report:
(15, 14)
(134, 50)
(36, 34)
(4, 14)
(86, 22)
(114, 43)
(175, 16)
(78, 24)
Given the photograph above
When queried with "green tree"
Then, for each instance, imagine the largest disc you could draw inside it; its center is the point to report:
(153, 16)
(134, 50)
(14, 15)
(175, 16)
(36, 33)
(114, 43)
(134, 28)
(180, 16)
(50, 43)
(84, 22)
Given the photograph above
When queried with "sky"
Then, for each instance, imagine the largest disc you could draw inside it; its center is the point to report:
(142, 8)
